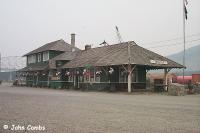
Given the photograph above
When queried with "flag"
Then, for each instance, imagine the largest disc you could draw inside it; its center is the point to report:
(185, 9)
(186, 2)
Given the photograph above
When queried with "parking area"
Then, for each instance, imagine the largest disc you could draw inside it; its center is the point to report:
(62, 111)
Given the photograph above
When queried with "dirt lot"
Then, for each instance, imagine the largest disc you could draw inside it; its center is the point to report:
(62, 111)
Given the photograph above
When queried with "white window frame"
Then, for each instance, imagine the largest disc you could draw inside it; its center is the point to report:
(39, 57)
(45, 56)
(31, 59)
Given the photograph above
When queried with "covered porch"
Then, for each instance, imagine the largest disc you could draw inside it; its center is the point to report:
(106, 78)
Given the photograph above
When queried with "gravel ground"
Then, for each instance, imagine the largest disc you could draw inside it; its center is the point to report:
(62, 111)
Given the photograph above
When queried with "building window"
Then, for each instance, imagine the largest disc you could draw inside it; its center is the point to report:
(134, 75)
(98, 73)
(46, 56)
(70, 74)
(141, 76)
(86, 75)
(39, 57)
(92, 72)
(97, 78)
(123, 75)
(31, 59)
(71, 78)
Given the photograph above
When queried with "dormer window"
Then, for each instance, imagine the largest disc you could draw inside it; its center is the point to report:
(39, 57)
(46, 56)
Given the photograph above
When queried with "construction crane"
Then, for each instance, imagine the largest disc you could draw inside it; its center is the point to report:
(119, 37)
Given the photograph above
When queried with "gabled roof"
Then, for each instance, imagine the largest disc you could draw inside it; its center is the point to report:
(59, 45)
(66, 56)
(117, 54)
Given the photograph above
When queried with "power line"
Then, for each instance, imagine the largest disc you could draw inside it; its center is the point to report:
(12, 56)
(168, 40)
(172, 44)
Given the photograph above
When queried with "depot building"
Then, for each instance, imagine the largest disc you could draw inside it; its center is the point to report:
(62, 65)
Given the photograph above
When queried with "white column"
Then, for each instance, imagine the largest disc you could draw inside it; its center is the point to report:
(37, 81)
(48, 78)
(165, 79)
(129, 78)
(129, 67)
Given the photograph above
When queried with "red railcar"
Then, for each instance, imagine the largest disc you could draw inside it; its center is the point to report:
(195, 78)
(179, 79)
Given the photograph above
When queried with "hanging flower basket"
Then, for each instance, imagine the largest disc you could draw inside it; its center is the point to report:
(67, 73)
(98, 72)
(111, 71)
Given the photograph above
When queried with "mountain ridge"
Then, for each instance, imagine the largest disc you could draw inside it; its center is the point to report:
(192, 58)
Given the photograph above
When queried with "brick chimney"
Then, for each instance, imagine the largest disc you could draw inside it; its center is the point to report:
(73, 39)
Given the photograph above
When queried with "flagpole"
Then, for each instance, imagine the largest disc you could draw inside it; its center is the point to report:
(184, 15)
(0, 62)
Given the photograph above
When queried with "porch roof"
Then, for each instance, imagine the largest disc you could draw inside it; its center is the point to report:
(35, 67)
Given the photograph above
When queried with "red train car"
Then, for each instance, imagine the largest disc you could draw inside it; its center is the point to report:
(195, 78)
(179, 79)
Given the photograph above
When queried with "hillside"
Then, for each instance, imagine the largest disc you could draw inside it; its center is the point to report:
(192, 58)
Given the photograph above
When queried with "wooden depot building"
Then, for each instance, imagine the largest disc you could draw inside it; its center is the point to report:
(62, 65)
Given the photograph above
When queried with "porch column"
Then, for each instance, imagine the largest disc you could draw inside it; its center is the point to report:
(33, 82)
(48, 78)
(129, 67)
(165, 79)
(37, 81)
(74, 77)
(129, 78)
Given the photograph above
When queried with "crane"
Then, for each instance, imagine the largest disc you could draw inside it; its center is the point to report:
(119, 37)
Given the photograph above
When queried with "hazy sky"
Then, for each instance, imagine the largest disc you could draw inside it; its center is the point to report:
(28, 24)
